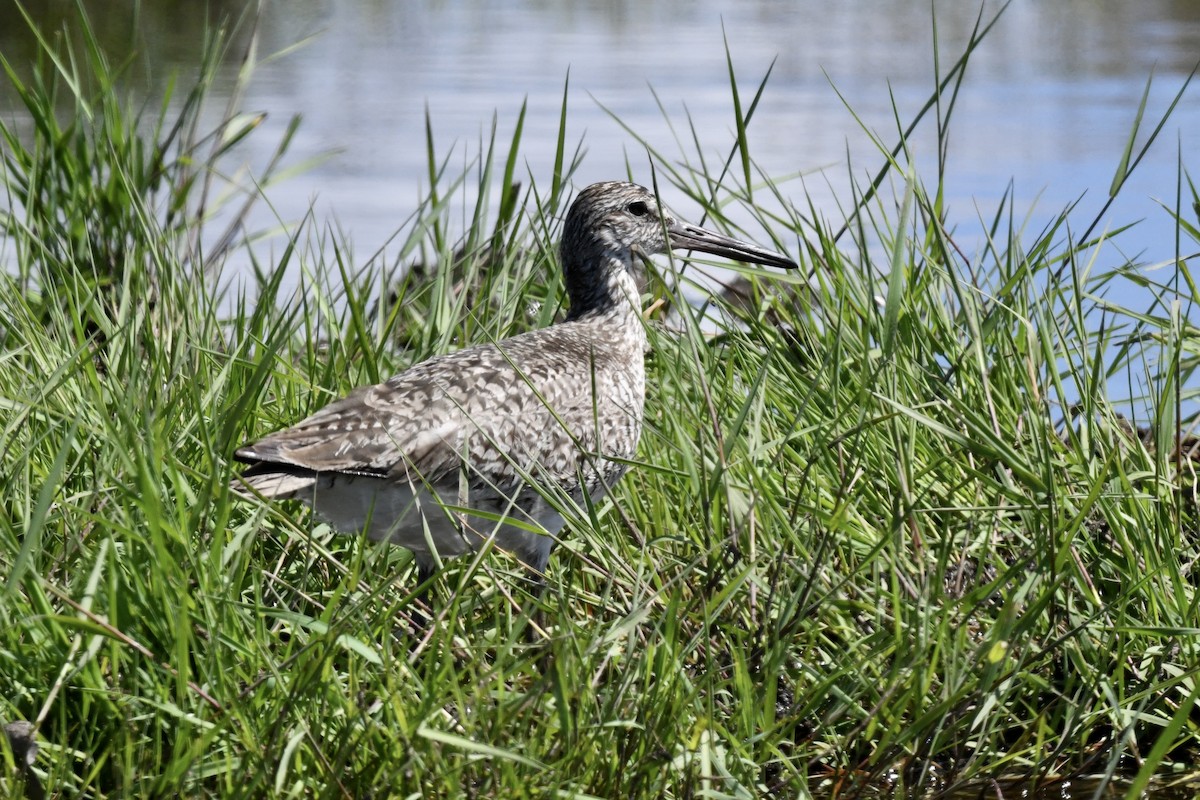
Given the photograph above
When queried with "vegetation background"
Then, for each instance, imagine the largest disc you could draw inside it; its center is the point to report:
(885, 533)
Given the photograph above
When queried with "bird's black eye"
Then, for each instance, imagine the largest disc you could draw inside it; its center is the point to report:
(638, 208)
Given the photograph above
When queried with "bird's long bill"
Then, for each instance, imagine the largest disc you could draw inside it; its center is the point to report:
(691, 237)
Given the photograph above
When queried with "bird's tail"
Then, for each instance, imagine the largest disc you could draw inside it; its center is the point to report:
(277, 484)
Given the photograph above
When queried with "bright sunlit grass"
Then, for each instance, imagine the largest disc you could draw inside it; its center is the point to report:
(884, 526)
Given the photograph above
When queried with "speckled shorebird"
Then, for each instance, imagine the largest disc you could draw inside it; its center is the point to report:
(484, 444)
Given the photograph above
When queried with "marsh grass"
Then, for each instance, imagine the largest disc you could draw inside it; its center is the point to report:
(885, 528)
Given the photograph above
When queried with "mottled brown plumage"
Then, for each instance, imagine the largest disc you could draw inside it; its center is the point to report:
(486, 443)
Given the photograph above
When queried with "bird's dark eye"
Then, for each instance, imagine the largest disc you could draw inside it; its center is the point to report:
(638, 208)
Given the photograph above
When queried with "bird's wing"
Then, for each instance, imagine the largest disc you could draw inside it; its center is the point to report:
(419, 424)
(367, 432)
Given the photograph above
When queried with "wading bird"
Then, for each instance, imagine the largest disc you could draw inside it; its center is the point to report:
(486, 443)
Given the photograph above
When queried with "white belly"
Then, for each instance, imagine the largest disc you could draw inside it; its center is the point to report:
(434, 524)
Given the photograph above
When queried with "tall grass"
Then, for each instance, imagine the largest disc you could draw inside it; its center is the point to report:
(885, 529)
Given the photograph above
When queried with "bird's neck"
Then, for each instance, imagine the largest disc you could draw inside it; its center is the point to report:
(609, 290)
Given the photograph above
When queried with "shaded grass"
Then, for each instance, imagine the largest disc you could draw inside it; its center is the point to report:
(884, 526)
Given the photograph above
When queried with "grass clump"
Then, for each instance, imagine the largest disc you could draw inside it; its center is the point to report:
(884, 527)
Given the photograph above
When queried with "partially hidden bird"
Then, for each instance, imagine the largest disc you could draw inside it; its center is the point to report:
(492, 442)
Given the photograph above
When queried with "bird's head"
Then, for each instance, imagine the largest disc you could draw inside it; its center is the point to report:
(611, 223)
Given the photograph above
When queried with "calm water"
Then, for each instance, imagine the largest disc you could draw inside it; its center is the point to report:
(1047, 104)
